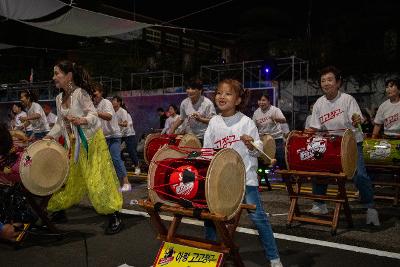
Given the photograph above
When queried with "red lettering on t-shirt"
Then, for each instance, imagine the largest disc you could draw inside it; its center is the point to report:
(330, 115)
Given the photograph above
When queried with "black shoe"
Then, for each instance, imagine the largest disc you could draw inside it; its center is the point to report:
(114, 224)
(59, 217)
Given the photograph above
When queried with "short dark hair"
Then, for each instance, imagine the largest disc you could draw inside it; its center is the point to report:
(195, 84)
(392, 82)
(334, 70)
(266, 95)
(29, 94)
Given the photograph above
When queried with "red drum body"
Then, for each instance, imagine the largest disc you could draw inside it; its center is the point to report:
(155, 141)
(322, 152)
(217, 184)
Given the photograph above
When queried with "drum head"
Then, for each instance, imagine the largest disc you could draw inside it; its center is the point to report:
(44, 167)
(349, 154)
(269, 147)
(163, 153)
(146, 145)
(190, 140)
(225, 183)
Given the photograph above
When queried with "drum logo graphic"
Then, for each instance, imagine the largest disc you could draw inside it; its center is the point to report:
(180, 186)
(316, 147)
(381, 151)
(168, 256)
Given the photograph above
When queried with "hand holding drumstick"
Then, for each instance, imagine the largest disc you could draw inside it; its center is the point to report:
(249, 142)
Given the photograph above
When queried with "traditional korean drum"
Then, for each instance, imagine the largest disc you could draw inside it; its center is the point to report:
(44, 167)
(382, 151)
(215, 181)
(155, 141)
(322, 152)
(269, 148)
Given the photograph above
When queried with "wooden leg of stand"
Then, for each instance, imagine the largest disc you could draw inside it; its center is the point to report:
(227, 241)
(346, 207)
(40, 211)
(157, 223)
(173, 227)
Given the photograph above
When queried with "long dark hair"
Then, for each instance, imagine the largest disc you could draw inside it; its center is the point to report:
(121, 103)
(80, 75)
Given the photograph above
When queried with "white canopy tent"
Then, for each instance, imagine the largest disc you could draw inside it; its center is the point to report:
(75, 21)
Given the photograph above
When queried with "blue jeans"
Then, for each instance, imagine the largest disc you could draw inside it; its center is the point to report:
(361, 180)
(40, 135)
(131, 144)
(260, 220)
(280, 153)
(114, 145)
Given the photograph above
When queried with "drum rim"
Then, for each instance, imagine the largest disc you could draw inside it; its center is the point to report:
(22, 169)
(146, 144)
(348, 139)
(293, 132)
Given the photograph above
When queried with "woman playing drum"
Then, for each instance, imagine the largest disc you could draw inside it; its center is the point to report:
(336, 111)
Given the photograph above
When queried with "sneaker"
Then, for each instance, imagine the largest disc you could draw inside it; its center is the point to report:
(58, 217)
(318, 209)
(373, 217)
(126, 188)
(276, 263)
(114, 224)
(137, 171)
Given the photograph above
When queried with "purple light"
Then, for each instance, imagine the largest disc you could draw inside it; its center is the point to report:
(266, 70)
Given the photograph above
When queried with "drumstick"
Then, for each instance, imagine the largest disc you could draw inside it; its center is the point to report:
(273, 161)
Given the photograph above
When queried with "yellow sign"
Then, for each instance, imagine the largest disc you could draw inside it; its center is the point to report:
(177, 255)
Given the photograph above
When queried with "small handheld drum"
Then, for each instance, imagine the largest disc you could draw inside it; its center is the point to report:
(19, 138)
(322, 152)
(381, 151)
(180, 179)
(269, 148)
(155, 141)
(44, 167)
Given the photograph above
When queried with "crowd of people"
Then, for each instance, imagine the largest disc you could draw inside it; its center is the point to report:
(85, 115)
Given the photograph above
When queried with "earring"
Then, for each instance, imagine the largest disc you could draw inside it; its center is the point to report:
(70, 85)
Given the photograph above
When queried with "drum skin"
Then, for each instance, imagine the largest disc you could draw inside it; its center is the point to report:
(381, 151)
(155, 141)
(316, 152)
(220, 181)
(269, 148)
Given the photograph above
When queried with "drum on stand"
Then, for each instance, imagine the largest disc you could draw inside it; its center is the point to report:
(155, 141)
(269, 148)
(382, 151)
(322, 152)
(218, 184)
(44, 167)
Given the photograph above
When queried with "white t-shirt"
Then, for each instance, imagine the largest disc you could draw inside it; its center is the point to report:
(307, 124)
(110, 128)
(388, 114)
(204, 107)
(51, 118)
(336, 114)
(169, 122)
(225, 132)
(123, 115)
(266, 125)
(19, 123)
(39, 125)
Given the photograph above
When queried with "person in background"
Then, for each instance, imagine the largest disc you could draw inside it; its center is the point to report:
(50, 116)
(269, 120)
(128, 132)
(388, 113)
(163, 117)
(112, 133)
(307, 123)
(35, 115)
(17, 124)
(196, 109)
(367, 124)
(333, 111)
(231, 124)
(91, 169)
(173, 117)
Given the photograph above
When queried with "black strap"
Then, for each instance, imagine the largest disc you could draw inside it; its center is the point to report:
(185, 203)
(197, 213)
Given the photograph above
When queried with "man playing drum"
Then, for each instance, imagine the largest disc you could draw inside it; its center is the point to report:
(197, 109)
(336, 111)
(388, 112)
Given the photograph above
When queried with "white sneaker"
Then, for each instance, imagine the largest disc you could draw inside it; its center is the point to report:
(126, 188)
(318, 209)
(276, 263)
(137, 171)
(373, 217)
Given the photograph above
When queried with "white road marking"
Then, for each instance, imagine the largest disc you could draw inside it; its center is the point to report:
(317, 242)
